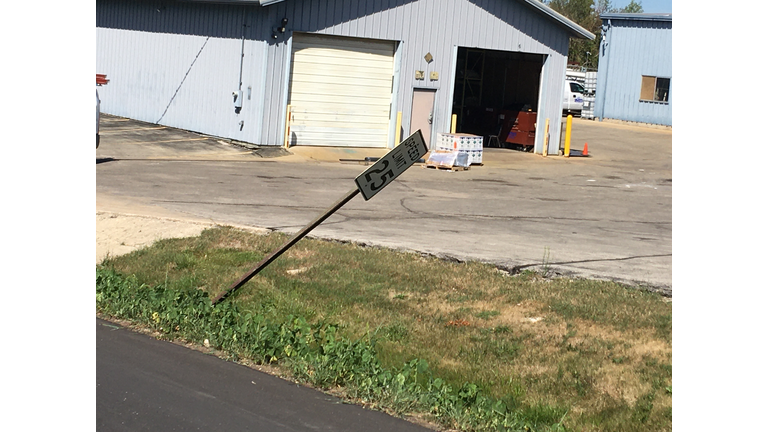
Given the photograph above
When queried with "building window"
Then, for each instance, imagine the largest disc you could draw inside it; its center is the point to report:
(655, 89)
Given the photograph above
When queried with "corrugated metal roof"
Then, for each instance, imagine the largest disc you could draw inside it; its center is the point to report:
(246, 2)
(638, 16)
(575, 29)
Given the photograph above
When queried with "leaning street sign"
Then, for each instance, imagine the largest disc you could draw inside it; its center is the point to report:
(391, 165)
(369, 183)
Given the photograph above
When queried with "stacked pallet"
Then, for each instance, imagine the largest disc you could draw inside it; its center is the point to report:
(447, 160)
(466, 144)
(456, 152)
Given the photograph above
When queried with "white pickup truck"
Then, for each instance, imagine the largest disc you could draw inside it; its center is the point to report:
(573, 98)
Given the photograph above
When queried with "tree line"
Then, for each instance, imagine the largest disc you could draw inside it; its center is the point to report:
(586, 13)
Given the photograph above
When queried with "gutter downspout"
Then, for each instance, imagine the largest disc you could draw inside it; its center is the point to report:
(606, 29)
(242, 53)
(239, 93)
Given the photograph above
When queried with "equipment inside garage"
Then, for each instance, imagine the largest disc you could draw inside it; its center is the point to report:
(496, 96)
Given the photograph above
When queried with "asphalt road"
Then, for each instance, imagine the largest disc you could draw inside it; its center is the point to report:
(143, 384)
(606, 216)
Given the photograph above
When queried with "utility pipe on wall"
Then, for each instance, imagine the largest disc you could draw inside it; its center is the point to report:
(242, 53)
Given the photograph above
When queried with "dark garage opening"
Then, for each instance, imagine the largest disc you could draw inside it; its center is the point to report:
(496, 95)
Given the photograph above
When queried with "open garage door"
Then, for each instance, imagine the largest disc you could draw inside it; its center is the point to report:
(496, 93)
(340, 91)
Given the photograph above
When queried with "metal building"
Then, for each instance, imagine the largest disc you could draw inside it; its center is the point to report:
(634, 77)
(231, 68)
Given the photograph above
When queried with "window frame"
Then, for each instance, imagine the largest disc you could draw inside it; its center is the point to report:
(572, 84)
(646, 85)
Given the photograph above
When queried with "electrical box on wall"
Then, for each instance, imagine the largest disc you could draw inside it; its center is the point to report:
(238, 98)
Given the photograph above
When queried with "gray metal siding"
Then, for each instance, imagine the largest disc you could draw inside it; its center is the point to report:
(130, 32)
(177, 64)
(434, 26)
(634, 48)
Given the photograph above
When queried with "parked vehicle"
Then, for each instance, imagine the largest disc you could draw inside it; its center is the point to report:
(573, 98)
(98, 116)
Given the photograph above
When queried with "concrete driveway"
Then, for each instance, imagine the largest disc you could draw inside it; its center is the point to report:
(605, 216)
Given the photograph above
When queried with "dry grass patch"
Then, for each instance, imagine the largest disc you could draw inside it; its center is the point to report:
(597, 349)
(300, 253)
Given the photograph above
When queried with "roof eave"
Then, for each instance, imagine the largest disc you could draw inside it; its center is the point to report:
(575, 29)
(241, 2)
(637, 17)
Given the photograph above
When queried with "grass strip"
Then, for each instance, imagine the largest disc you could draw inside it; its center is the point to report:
(462, 344)
(316, 354)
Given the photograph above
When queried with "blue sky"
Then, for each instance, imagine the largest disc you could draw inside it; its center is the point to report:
(649, 6)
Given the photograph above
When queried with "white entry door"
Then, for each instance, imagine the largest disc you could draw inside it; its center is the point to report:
(422, 112)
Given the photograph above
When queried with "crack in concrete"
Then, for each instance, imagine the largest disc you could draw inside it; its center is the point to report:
(520, 267)
(662, 289)
(402, 204)
(422, 214)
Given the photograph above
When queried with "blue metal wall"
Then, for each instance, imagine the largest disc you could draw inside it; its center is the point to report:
(128, 31)
(631, 49)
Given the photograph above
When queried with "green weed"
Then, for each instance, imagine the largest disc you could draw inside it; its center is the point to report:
(315, 353)
(535, 348)
(488, 314)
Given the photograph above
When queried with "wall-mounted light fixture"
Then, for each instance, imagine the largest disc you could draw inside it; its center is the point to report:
(281, 29)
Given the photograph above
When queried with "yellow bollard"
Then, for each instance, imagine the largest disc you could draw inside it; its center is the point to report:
(568, 123)
(546, 139)
(287, 142)
(397, 128)
(453, 124)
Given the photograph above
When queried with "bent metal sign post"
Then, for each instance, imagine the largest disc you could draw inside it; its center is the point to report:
(369, 183)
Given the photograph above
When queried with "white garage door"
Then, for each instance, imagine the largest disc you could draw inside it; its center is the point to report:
(340, 91)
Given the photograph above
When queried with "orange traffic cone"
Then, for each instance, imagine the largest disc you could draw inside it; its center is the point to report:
(585, 152)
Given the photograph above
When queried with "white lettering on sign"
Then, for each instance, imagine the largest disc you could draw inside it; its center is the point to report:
(391, 165)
